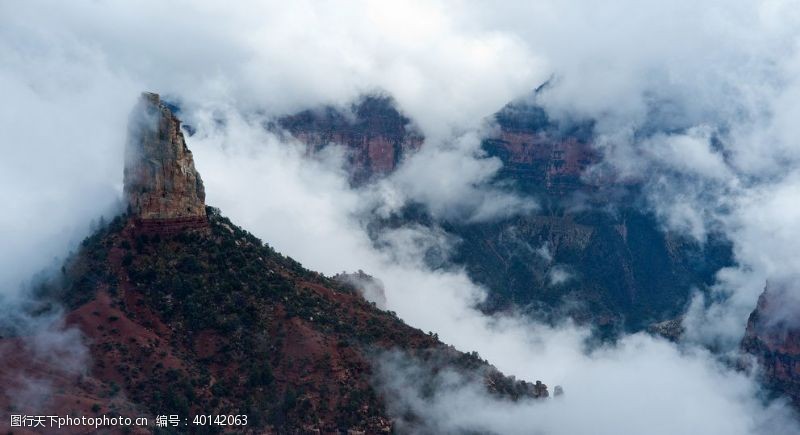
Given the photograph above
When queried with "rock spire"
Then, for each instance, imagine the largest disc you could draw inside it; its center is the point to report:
(162, 187)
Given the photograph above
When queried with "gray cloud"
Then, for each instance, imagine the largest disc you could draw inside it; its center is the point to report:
(71, 75)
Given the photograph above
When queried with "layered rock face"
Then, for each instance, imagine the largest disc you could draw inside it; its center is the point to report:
(535, 150)
(162, 187)
(773, 337)
(376, 135)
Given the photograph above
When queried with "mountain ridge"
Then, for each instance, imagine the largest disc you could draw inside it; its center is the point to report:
(182, 312)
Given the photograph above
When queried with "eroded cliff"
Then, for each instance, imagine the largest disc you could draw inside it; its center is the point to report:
(162, 187)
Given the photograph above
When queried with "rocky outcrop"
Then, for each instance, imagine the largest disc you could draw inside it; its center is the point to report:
(773, 338)
(223, 324)
(672, 329)
(368, 286)
(537, 151)
(374, 133)
(163, 190)
(621, 268)
(377, 137)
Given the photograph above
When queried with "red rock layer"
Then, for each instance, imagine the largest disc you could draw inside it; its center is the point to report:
(374, 133)
(555, 163)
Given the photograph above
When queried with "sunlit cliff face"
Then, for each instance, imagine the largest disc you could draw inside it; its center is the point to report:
(160, 181)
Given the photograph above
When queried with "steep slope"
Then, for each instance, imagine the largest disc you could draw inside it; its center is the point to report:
(615, 270)
(186, 314)
(219, 323)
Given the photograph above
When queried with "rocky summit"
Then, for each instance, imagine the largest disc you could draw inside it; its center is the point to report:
(163, 190)
(176, 321)
(544, 155)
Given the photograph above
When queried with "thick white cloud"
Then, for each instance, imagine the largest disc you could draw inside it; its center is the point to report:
(71, 73)
(454, 181)
(280, 56)
(62, 127)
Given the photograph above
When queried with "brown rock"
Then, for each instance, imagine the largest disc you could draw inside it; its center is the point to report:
(375, 135)
(162, 187)
(534, 149)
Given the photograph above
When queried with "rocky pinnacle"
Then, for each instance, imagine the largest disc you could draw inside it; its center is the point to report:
(161, 183)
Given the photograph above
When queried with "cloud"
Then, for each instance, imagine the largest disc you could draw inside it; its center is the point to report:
(61, 142)
(283, 57)
(369, 287)
(37, 352)
(781, 310)
(454, 180)
(558, 275)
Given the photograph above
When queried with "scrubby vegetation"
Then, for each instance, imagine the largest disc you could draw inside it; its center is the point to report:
(217, 322)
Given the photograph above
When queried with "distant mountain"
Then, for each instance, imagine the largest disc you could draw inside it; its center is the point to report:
(592, 251)
(185, 313)
(375, 134)
(541, 155)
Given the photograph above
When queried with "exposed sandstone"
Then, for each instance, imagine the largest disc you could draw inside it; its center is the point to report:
(163, 190)
(537, 150)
